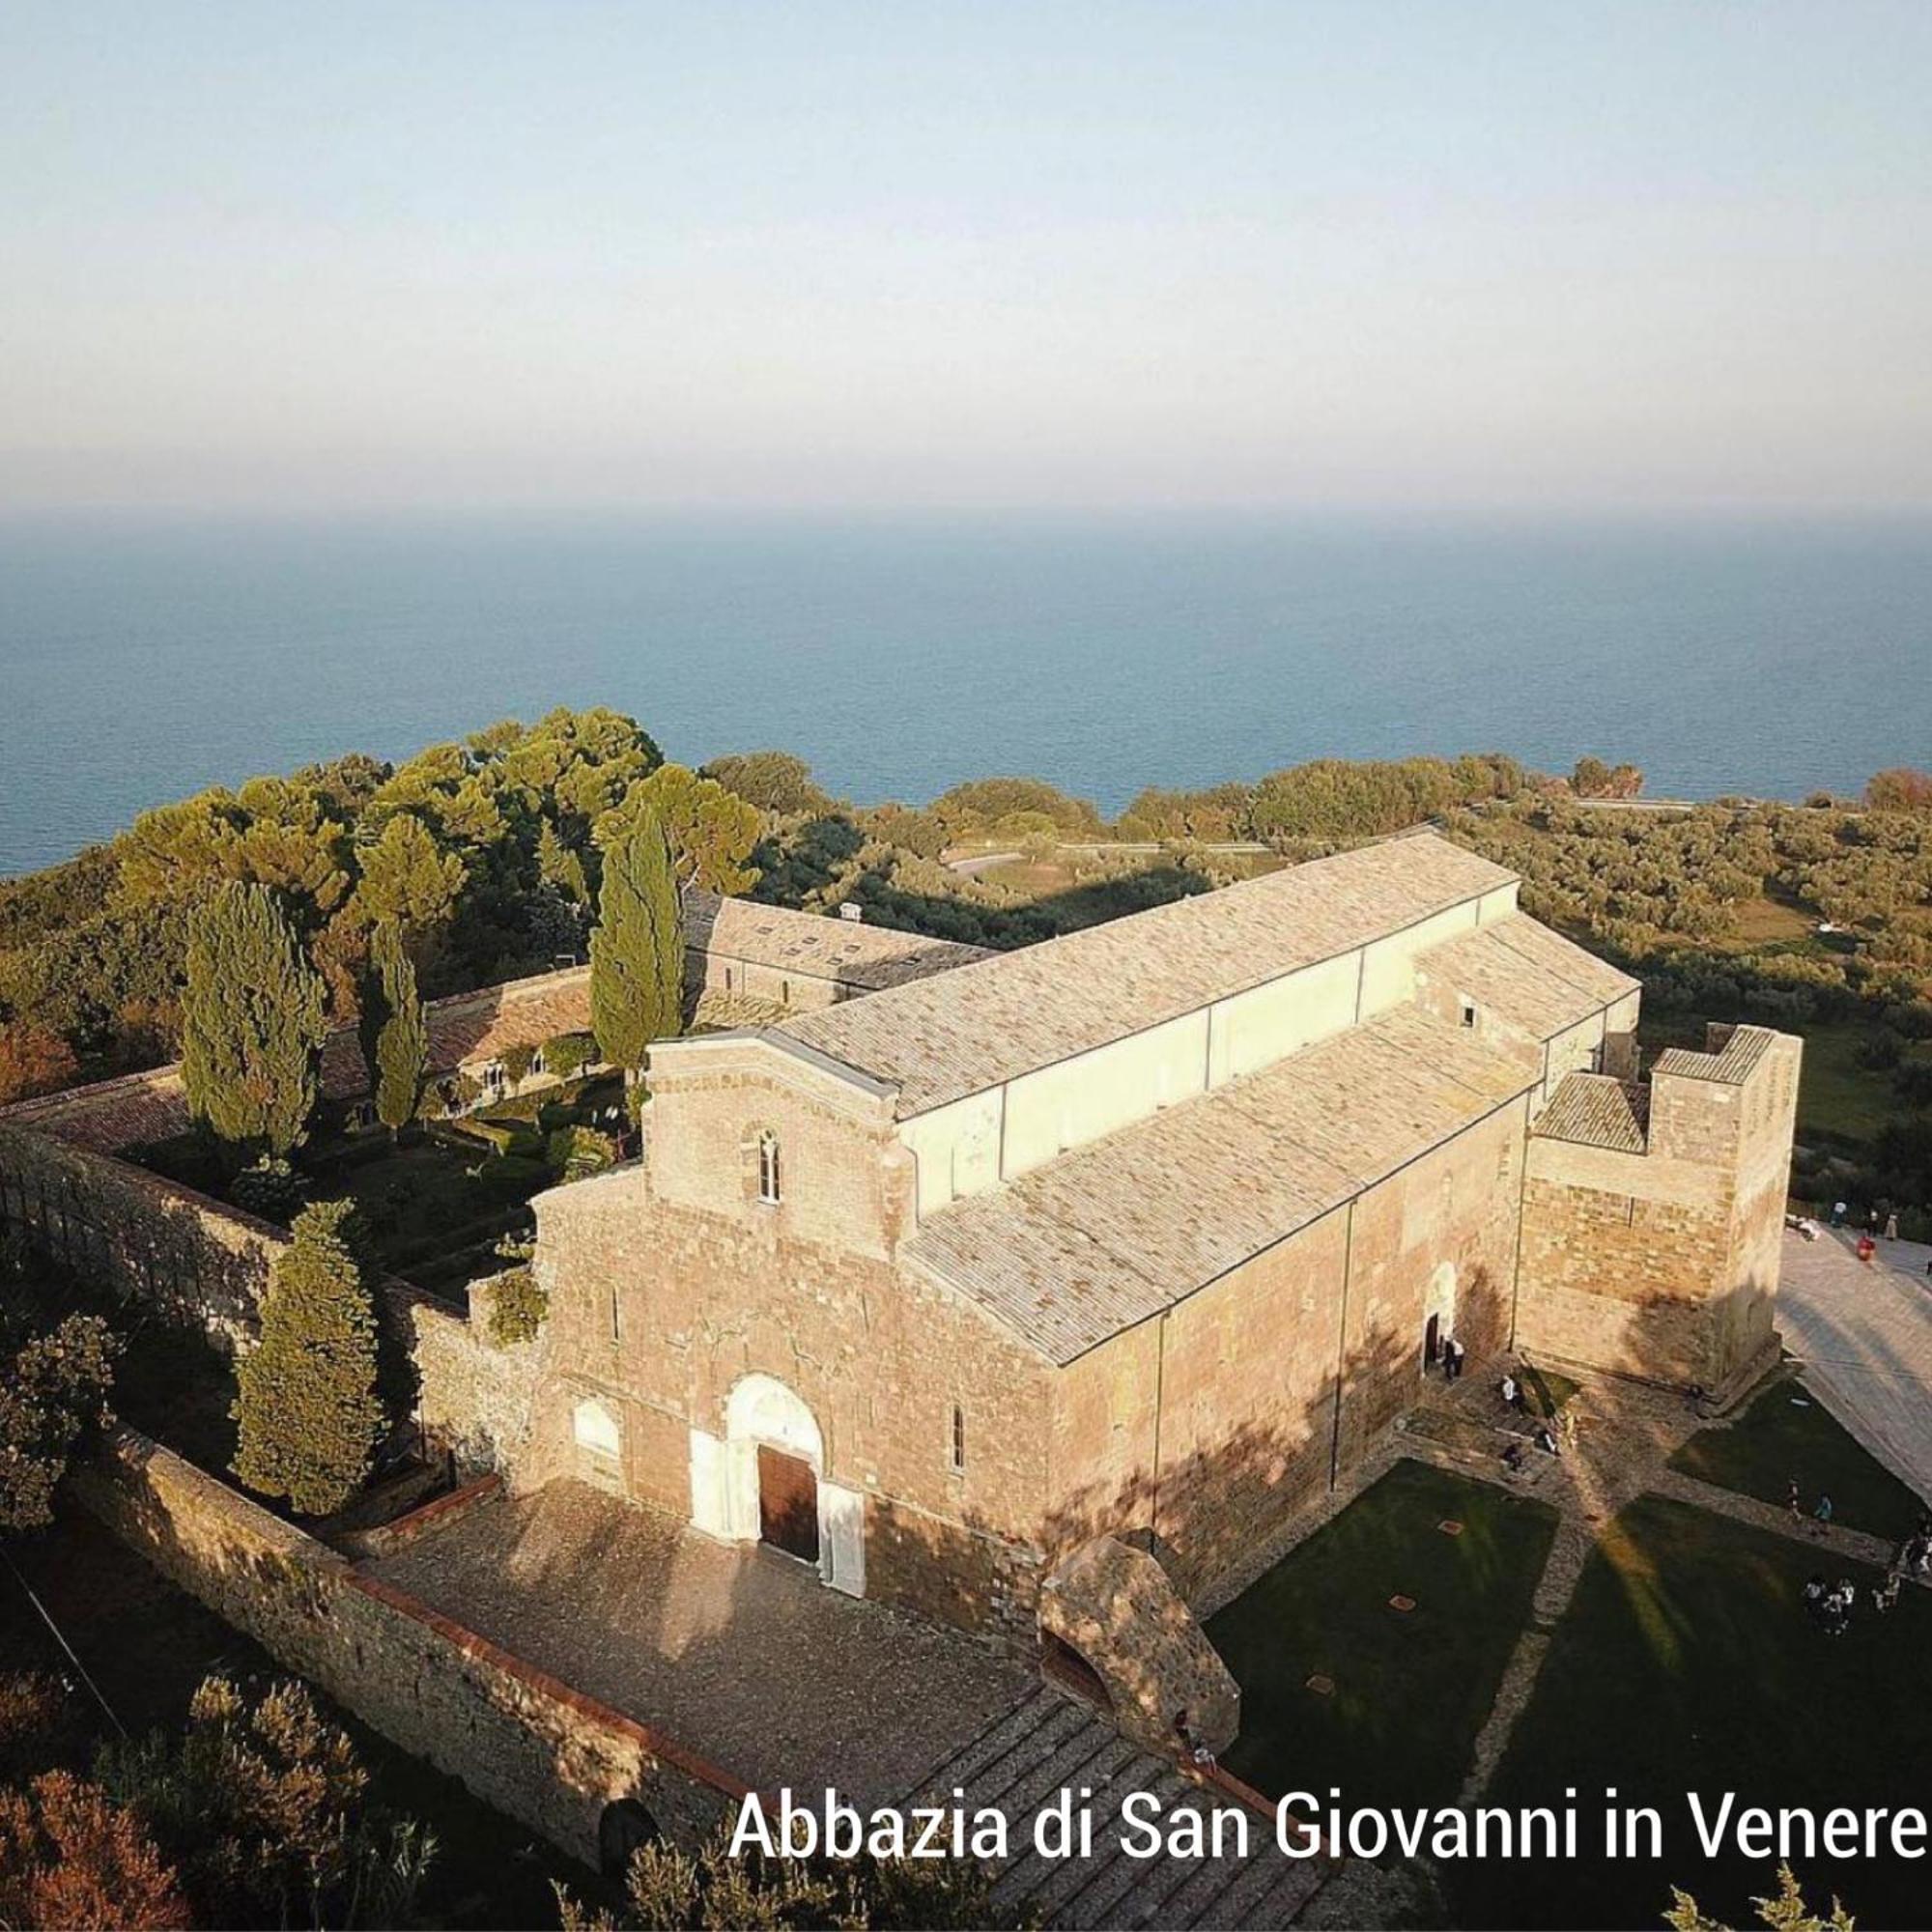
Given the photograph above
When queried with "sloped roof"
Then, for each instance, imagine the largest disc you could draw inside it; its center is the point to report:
(1112, 1232)
(1530, 977)
(1594, 1110)
(814, 945)
(1730, 1063)
(945, 1038)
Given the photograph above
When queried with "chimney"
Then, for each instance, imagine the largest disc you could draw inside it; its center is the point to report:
(847, 909)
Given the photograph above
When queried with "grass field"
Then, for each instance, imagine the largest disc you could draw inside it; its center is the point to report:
(1686, 1662)
(1785, 1432)
(1411, 1687)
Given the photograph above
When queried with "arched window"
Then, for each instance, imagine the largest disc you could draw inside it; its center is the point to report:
(768, 1168)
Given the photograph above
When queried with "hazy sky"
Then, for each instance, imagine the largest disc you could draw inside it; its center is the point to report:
(1453, 253)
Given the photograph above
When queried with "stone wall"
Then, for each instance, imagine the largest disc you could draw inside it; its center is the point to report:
(1115, 1609)
(197, 1259)
(474, 1396)
(1662, 1263)
(1211, 1425)
(520, 1739)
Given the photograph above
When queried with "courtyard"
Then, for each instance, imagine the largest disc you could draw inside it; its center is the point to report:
(738, 1651)
(436, 1201)
(1343, 1685)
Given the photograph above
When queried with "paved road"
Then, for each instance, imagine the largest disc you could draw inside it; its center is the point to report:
(1864, 1335)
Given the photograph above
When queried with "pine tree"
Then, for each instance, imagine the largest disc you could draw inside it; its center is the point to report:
(253, 1023)
(637, 951)
(395, 1034)
(308, 1409)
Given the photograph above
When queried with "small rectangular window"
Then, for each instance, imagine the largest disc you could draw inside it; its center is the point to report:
(956, 1448)
(1470, 1013)
(617, 1319)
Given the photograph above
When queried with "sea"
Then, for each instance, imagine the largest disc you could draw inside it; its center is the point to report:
(143, 658)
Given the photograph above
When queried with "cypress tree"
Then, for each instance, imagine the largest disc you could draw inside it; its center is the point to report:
(308, 1409)
(253, 1023)
(395, 1034)
(637, 950)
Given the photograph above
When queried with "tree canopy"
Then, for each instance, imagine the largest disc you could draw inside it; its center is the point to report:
(394, 1031)
(252, 1022)
(308, 1409)
(637, 951)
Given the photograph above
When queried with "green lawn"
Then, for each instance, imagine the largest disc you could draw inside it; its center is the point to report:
(1777, 1438)
(1686, 1662)
(1411, 1687)
(1838, 1094)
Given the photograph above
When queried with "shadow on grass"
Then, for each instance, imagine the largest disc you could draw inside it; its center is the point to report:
(1686, 1662)
(1411, 1687)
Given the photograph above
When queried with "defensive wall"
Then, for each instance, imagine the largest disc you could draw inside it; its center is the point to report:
(519, 1739)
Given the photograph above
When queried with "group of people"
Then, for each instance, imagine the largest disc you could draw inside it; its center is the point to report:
(1869, 1235)
(1829, 1606)
(1516, 1402)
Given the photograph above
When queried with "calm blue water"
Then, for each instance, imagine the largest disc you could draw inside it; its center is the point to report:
(141, 662)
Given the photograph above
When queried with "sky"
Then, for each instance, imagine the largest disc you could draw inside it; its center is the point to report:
(1457, 255)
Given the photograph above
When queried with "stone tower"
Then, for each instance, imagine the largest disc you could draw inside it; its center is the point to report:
(1653, 1213)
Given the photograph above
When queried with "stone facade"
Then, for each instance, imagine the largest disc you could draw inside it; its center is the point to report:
(1035, 1253)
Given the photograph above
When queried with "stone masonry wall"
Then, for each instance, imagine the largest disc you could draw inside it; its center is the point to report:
(671, 1283)
(474, 1397)
(199, 1260)
(1663, 1263)
(520, 1739)
(1213, 1424)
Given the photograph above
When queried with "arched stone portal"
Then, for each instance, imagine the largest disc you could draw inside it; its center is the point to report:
(764, 1481)
(778, 1452)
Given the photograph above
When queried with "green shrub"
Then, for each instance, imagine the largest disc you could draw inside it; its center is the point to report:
(575, 1153)
(517, 1063)
(512, 1176)
(568, 1054)
(518, 1306)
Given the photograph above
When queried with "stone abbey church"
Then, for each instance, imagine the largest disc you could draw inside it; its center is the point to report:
(963, 1265)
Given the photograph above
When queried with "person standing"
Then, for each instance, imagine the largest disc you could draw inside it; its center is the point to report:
(1891, 1226)
(1792, 1502)
(1823, 1514)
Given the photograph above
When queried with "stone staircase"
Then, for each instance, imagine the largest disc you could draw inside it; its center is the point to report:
(1050, 1740)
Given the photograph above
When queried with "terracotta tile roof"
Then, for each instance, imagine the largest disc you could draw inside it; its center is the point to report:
(463, 1030)
(945, 1038)
(850, 952)
(472, 1028)
(109, 1114)
(1595, 1110)
(1530, 977)
(1731, 1062)
(1111, 1233)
